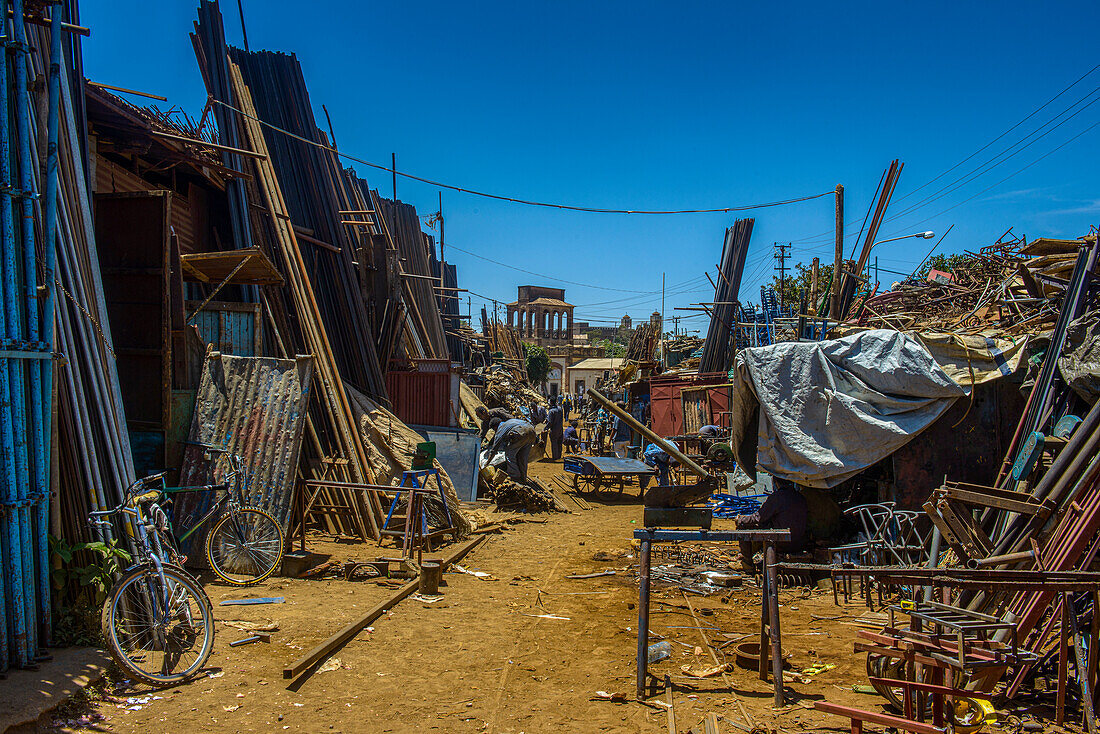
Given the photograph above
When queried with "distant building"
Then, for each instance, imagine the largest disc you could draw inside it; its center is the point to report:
(541, 315)
(655, 319)
(626, 324)
(586, 373)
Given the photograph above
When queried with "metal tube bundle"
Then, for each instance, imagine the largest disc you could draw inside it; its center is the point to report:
(27, 332)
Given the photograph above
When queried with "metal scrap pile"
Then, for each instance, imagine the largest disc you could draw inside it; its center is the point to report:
(1008, 288)
(1003, 594)
(502, 390)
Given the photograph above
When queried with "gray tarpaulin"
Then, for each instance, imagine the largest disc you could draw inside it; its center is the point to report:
(819, 412)
(1080, 360)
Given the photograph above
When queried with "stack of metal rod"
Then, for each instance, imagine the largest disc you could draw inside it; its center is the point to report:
(853, 270)
(1044, 514)
(28, 231)
(720, 346)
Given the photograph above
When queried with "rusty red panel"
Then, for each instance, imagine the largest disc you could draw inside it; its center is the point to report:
(666, 409)
(420, 398)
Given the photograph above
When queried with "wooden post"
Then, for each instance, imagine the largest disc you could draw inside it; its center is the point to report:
(643, 617)
(834, 308)
(812, 308)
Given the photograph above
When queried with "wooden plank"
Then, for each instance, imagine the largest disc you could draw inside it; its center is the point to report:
(342, 637)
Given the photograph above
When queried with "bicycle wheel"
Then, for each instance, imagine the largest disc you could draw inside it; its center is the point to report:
(245, 546)
(160, 628)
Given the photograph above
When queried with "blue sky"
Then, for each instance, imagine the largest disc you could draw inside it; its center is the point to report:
(673, 106)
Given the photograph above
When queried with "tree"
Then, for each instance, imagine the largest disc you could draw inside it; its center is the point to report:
(944, 263)
(611, 348)
(538, 363)
(793, 285)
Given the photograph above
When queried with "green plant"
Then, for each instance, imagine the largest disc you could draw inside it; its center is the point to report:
(80, 590)
(538, 364)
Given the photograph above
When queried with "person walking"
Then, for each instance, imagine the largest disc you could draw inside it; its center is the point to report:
(554, 422)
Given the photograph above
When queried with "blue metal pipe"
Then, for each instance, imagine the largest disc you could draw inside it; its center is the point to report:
(11, 392)
(32, 443)
(48, 316)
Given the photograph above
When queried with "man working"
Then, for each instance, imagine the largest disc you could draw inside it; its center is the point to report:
(485, 416)
(656, 457)
(515, 438)
(621, 435)
(710, 432)
(554, 420)
(570, 438)
(785, 508)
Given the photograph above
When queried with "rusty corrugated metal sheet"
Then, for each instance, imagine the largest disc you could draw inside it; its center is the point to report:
(254, 407)
(420, 398)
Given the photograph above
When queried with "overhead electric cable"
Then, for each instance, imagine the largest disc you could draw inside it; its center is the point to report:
(498, 197)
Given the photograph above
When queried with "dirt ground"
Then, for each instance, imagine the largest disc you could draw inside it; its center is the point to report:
(524, 651)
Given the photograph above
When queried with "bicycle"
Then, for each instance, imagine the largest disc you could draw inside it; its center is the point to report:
(157, 619)
(246, 544)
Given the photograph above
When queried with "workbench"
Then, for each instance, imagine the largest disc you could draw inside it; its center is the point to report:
(769, 603)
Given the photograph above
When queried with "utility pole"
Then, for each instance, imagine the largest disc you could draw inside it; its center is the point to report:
(876, 268)
(834, 296)
(442, 257)
(661, 329)
(393, 170)
(781, 255)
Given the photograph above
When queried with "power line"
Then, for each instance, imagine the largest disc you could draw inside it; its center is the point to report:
(593, 210)
(813, 239)
(1006, 132)
(542, 275)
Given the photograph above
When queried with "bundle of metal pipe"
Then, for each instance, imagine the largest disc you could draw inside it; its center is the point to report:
(849, 280)
(720, 346)
(27, 261)
(333, 436)
(326, 209)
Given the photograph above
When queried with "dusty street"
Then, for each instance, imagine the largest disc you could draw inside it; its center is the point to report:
(486, 659)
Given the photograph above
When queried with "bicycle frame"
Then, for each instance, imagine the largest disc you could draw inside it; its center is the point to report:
(235, 477)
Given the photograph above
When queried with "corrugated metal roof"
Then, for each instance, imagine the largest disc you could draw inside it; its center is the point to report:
(254, 407)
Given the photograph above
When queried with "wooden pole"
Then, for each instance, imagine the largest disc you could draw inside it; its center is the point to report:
(812, 309)
(834, 307)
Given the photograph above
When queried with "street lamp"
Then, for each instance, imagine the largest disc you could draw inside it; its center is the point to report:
(922, 235)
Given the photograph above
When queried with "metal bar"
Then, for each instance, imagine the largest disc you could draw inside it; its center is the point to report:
(668, 446)
(339, 639)
(661, 535)
(205, 144)
(643, 616)
(773, 621)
